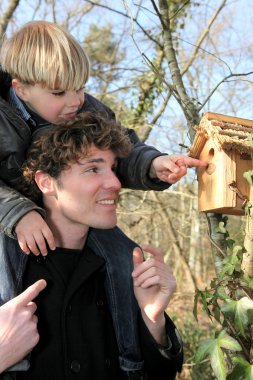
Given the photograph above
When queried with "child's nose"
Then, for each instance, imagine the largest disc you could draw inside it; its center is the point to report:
(74, 99)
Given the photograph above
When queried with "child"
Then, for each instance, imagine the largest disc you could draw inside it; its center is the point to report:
(42, 78)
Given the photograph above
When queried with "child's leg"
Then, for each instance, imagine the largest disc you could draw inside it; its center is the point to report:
(117, 250)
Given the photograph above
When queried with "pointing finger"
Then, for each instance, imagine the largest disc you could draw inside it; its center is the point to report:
(32, 292)
(155, 251)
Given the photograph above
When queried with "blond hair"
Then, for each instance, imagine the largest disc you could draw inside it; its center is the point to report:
(42, 52)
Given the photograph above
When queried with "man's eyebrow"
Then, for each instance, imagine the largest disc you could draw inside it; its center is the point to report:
(94, 160)
(97, 160)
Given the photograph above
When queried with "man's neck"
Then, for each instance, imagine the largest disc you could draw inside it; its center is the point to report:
(67, 235)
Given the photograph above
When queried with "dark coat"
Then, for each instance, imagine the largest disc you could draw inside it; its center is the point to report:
(15, 139)
(77, 339)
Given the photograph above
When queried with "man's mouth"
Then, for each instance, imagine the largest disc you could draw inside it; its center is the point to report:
(107, 202)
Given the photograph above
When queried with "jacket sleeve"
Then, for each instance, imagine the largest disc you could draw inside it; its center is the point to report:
(133, 171)
(161, 363)
(13, 205)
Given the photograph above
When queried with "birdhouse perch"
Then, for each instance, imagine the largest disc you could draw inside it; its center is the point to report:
(222, 141)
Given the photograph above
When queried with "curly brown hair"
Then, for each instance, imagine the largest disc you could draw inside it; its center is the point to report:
(67, 143)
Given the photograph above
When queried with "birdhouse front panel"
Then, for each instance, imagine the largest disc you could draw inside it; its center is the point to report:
(223, 143)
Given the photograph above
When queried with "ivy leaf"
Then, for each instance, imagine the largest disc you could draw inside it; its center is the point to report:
(205, 349)
(242, 370)
(222, 226)
(218, 363)
(212, 349)
(249, 176)
(230, 263)
(226, 341)
(241, 312)
(250, 139)
(248, 280)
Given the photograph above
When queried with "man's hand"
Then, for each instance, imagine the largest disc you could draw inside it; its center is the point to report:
(32, 234)
(171, 168)
(154, 285)
(18, 326)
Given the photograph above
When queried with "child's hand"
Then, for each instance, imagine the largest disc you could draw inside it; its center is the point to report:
(171, 168)
(33, 233)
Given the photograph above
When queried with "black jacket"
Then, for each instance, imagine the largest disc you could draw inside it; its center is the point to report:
(77, 339)
(15, 139)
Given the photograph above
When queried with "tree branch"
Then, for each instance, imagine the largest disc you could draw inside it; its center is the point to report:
(129, 17)
(218, 84)
(6, 16)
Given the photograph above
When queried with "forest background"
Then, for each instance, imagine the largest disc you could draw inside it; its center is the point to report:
(160, 75)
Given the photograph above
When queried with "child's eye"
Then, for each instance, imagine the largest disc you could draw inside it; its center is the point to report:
(81, 89)
(61, 93)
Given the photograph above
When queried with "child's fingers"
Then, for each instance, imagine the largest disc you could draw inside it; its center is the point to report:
(49, 237)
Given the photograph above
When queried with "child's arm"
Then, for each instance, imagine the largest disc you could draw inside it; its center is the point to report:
(148, 169)
(22, 218)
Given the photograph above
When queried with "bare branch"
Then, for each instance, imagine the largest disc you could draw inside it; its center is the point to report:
(127, 16)
(220, 82)
(6, 16)
(203, 36)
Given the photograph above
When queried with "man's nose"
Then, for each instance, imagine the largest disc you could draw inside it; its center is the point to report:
(113, 181)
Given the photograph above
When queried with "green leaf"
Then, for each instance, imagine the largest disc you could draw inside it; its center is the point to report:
(227, 342)
(250, 138)
(241, 312)
(212, 349)
(205, 349)
(221, 227)
(248, 280)
(242, 370)
(218, 363)
(249, 176)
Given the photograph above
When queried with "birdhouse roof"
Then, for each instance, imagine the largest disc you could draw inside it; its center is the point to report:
(227, 132)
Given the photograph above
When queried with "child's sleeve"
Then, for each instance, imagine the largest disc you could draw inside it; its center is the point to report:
(13, 205)
(133, 171)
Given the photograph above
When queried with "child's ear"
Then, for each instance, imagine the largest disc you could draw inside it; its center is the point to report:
(20, 89)
(45, 183)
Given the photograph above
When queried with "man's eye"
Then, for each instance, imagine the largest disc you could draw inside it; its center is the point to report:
(92, 170)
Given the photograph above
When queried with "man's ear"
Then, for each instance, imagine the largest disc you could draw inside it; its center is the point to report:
(45, 183)
(20, 89)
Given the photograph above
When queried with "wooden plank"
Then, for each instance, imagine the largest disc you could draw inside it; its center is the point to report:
(229, 119)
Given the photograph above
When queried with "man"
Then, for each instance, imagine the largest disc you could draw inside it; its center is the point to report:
(73, 168)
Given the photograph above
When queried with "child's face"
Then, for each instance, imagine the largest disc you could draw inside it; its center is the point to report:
(55, 106)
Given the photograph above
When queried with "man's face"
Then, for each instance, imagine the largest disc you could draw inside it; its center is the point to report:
(55, 106)
(87, 192)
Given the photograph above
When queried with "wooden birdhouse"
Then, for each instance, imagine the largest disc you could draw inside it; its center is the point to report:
(223, 142)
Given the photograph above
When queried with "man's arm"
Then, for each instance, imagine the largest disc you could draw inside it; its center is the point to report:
(18, 326)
